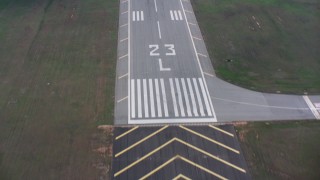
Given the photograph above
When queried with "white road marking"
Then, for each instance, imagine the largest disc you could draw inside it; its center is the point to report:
(180, 15)
(124, 12)
(123, 56)
(124, 1)
(133, 111)
(164, 98)
(198, 96)
(123, 76)
(123, 39)
(180, 98)
(170, 120)
(196, 38)
(155, 5)
(176, 15)
(133, 15)
(138, 15)
(194, 48)
(311, 107)
(185, 93)
(201, 55)
(142, 16)
(194, 105)
(204, 93)
(159, 30)
(171, 15)
(124, 25)
(162, 68)
(158, 98)
(129, 66)
(153, 114)
(188, 11)
(139, 99)
(145, 94)
(208, 74)
(122, 99)
(174, 101)
(192, 24)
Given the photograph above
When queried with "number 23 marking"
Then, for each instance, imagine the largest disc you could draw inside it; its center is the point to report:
(155, 47)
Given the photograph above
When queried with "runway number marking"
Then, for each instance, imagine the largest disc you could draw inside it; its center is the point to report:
(154, 48)
(170, 47)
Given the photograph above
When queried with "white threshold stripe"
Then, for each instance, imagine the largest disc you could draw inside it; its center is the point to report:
(142, 16)
(164, 98)
(158, 97)
(176, 15)
(153, 114)
(180, 98)
(155, 5)
(208, 74)
(133, 15)
(123, 76)
(133, 111)
(174, 101)
(171, 15)
(311, 107)
(159, 30)
(204, 94)
(138, 15)
(172, 121)
(198, 96)
(122, 99)
(185, 93)
(139, 99)
(145, 94)
(180, 15)
(194, 105)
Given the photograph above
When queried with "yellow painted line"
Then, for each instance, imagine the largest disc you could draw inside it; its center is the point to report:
(210, 155)
(185, 160)
(202, 168)
(209, 139)
(144, 157)
(221, 130)
(127, 132)
(181, 176)
(142, 140)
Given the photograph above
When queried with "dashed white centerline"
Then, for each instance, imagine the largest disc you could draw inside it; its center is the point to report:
(159, 30)
(155, 5)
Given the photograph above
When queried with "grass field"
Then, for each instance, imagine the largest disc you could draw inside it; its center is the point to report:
(57, 77)
(281, 150)
(264, 45)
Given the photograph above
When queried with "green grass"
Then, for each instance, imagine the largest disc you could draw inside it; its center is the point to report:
(274, 45)
(281, 150)
(57, 77)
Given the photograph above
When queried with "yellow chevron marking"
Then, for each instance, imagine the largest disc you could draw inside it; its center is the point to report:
(181, 176)
(221, 130)
(142, 140)
(185, 143)
(127, 132)
(209, 139)
(187, 161)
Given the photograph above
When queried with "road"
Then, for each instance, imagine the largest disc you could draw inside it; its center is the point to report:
(164, 73)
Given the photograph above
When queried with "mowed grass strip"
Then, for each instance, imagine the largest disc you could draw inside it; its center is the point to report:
(281, 150)
(57, 78)
(263, 45)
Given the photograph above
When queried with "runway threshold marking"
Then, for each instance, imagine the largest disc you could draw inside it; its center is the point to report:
(185, 160)
(186, 144)
(209, 139)
(142, 140)
(221, 130)
(312, 108)
(127, 132)
(181, 176)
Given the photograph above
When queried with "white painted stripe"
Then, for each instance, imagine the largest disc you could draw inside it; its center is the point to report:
(186, 97)
(124, 1)
(174, 101)
(180, 98)
(145, 95)
(176, 15)
(188, 11)
(208, 74)
(124, 12)
(198, 96)
(197, 38)
(153, 114)
(171, 15)
(194, 105)
(133, 110)
(139, 99)
(158, 98)
(155, 5)
(202, 55)
(171, 121)
(122, 99)
(134, 15)
(164, 98)
(124, 25)
(180, 15)
(142, 16)
(311, 107)
(204, 94)
(123, 56)
(192, 24)
(129, 59)
(123, 39)
(159, 30)
(123, 76)
(138, 15)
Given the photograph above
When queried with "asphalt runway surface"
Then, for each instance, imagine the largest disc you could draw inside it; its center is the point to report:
(178, 152)
(164, 73)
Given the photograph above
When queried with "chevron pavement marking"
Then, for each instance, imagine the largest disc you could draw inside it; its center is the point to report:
(181, 176)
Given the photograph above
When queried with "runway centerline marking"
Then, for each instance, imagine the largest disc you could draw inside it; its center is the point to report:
(159, 30)
(155, 5)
